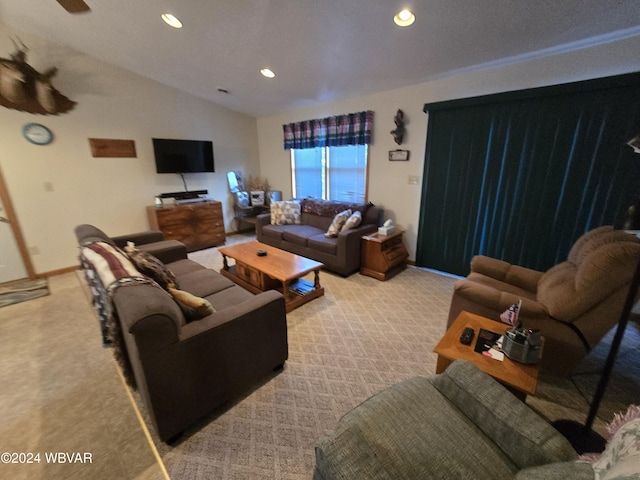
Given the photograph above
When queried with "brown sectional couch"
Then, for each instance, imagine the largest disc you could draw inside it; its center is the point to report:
(184, 369)
(339, 254)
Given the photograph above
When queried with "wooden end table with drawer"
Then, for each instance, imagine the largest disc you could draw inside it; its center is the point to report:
(383, 256)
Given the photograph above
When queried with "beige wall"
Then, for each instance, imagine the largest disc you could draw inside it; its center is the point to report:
(111, 193)
(114, 103)
(389, 181)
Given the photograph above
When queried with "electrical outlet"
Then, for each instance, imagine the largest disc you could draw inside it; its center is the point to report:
(414, 179)
(34, 250)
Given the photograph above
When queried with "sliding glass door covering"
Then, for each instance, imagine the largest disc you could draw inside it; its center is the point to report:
(521, 175)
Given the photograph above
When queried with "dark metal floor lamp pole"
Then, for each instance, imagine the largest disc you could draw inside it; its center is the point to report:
(582, 437)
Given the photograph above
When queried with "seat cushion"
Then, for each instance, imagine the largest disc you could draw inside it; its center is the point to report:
(184, 266)
(204, 282)
(274, 231)
(324, 244)
(299, 234)
(229, 297)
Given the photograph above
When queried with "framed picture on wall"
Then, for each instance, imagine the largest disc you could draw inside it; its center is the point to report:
(398, 155)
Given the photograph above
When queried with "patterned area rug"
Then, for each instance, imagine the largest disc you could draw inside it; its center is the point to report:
(23, 291)
(361, 337)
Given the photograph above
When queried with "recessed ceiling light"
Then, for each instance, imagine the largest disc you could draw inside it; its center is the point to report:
(404, 18)
(267, 73)
(171, 20)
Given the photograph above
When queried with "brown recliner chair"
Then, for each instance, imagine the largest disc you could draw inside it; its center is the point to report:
(574, 303)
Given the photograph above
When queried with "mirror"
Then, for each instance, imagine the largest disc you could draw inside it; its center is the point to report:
(235, 181)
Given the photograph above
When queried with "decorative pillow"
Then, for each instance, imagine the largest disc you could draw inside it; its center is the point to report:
(338, 221)
(353, 221)
(621, 457)
(151, 267)
(286, 212)
(193, 308)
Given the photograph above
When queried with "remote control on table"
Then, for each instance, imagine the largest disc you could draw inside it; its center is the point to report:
(467, 336)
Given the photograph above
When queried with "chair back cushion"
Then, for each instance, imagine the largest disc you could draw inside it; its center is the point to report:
(594, 239)
(600, 263)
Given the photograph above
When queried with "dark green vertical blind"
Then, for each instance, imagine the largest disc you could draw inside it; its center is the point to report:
(520, 176)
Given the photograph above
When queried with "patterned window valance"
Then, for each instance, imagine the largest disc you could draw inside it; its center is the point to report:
(350, 129)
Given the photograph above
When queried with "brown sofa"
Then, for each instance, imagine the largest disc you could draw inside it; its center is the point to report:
(574, 304)
(183, 368)
(339, 254)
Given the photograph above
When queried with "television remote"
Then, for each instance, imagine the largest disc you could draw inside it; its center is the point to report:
(467, 336)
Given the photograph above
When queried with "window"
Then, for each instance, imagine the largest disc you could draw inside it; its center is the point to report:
(331, 173)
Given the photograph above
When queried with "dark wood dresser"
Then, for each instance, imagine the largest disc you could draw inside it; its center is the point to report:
(197, 225)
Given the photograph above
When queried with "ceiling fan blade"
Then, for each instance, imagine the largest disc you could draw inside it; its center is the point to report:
(74, 6)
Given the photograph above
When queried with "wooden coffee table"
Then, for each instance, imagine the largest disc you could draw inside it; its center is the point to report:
(520, 378)
(277, 270)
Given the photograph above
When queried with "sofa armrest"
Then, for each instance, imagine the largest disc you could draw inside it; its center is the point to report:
(348, 248)
(558, 471)
(263, 219)
(149, 314)
(521, 277)
(351, 234)
(139, 238)
(496, 300)
(167, 251)
(491, 267)
(521, 434)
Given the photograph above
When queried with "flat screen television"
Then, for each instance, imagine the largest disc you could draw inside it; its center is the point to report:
(183, 156)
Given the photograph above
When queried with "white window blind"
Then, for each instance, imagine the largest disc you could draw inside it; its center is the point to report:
(333, 173)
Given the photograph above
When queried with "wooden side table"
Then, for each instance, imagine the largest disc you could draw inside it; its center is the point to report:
(248, 215)
(520, 378)
(383, 255)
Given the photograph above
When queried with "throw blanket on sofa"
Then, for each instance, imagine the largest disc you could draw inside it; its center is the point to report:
(109, 268)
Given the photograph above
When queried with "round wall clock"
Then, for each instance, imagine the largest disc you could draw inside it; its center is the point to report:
(37, 134)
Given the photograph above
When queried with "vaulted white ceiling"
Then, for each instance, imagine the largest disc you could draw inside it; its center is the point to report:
(320, 50)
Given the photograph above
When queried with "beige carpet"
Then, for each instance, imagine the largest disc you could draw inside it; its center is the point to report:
(61, 393)
(361, 337)
(61, 390)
